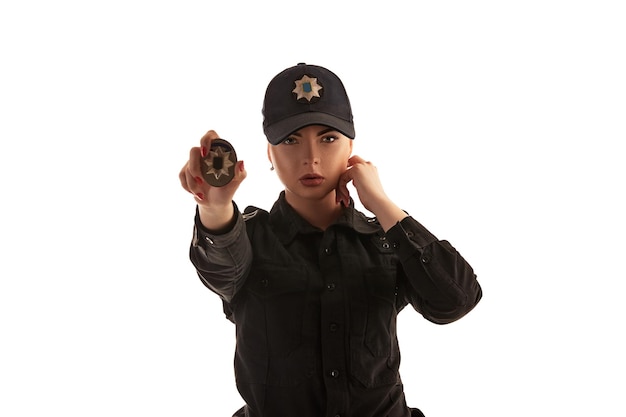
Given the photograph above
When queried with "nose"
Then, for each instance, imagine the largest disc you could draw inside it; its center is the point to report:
(312, 161)
(312, 155)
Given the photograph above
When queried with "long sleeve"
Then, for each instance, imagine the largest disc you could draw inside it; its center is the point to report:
(222, 259)
(440, 284)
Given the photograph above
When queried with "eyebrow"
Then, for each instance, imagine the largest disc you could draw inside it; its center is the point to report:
(320, 133)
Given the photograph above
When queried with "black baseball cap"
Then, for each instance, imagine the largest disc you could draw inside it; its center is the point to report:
(305, 95)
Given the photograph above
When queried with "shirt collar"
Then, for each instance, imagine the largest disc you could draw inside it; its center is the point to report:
(287, 223)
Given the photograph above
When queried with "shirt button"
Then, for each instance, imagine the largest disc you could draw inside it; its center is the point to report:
(333, 327)
(425, 259)
(328, 251)
(330, 287)
(334, 373)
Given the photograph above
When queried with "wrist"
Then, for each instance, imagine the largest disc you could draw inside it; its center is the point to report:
(388, 214)
(216, 216)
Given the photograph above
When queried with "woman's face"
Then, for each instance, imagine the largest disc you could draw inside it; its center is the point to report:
(310, 161)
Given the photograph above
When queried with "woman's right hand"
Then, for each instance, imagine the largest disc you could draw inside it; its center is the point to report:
(214, 203)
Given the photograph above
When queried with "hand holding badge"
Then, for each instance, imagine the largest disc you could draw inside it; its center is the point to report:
(218, 167)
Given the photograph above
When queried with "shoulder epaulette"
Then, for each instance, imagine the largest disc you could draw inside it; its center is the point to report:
(247, 216)
(251, 212)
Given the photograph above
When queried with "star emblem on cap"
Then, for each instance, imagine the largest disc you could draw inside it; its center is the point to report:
(307, 87)
(218, 162)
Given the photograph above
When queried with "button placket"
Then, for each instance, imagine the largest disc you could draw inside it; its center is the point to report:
(332, 267)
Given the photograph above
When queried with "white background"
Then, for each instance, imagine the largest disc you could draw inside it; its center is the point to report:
(497, 124)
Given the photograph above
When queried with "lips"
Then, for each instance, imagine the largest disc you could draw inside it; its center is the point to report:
(311, 180)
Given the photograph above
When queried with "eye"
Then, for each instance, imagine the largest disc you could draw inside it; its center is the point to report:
(290, 141)
(329, 139)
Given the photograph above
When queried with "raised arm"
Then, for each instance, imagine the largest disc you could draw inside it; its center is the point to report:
(220, 250)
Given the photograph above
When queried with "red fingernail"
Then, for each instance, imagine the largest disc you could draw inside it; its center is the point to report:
(200, 196)
(203, 151)
(241, 168)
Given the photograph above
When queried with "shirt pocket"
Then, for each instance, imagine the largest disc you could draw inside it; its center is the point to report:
(375, 356)
(279, 295)
(270, 343)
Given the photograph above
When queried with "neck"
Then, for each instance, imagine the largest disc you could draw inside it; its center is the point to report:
(319, 213)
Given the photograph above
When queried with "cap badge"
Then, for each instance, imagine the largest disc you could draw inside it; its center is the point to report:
(307, 88)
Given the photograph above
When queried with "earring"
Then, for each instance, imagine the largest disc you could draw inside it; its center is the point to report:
(272, 168)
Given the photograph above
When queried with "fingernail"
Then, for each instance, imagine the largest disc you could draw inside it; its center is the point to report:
(200, 196)
(241, 167)
(198, 180)
(203, 151)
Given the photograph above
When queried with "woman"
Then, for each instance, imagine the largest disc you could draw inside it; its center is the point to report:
(314, 286)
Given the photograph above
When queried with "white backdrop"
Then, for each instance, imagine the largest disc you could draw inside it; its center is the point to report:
(496, 124)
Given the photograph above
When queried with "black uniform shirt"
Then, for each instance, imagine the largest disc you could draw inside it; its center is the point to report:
(315, 311)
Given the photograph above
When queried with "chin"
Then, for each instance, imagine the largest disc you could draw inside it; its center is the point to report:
(312, 193)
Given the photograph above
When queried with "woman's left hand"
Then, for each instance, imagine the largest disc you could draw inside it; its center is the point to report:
(364, 177)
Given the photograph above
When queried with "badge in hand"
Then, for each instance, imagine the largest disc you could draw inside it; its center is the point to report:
(218, 167)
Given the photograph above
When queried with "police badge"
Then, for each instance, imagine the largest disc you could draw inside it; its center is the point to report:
(218, 167)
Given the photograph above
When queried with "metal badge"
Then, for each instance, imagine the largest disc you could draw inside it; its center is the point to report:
(218, 167)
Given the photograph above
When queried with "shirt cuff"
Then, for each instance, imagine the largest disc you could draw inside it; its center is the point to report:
(222, 238)
(409, 235)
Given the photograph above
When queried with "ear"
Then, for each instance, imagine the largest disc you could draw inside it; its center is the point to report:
(269, 155)
(350, 147)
